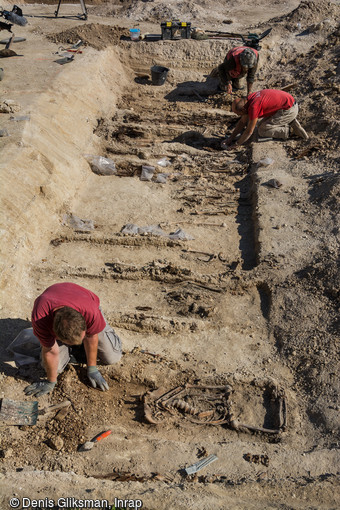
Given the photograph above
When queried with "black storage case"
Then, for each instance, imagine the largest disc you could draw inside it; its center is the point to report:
(175, 29)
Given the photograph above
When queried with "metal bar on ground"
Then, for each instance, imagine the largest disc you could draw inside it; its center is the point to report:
(200, 464)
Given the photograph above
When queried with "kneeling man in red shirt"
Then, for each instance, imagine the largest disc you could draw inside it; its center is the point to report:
(278, 111)
(67, 315)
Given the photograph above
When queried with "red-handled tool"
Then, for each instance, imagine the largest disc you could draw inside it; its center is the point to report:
(101, 436)
(89, 444)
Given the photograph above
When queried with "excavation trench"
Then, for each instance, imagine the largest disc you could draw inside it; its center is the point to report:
(246, 302)
(187, 301)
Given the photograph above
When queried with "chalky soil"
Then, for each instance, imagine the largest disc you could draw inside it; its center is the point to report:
(242, 299)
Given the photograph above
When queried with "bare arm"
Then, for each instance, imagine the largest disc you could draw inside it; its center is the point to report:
(247, 132)
(91, 349)
(251, 77)
(238, 128)
(50, 356)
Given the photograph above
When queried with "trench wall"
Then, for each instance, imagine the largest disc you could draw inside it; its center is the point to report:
(42, 169)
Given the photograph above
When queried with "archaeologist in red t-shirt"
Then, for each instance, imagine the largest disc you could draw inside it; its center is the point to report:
(278, 111)
(65, 316)
(239, 62)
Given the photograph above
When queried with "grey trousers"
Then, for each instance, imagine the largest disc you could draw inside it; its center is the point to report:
(277, 126)
(109, 348)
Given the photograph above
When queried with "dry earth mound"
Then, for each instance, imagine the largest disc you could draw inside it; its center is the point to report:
(92, 34)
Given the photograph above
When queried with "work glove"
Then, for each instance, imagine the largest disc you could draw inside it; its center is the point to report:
(96, 378)
(40, 388)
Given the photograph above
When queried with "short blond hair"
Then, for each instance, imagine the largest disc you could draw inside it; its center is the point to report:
(68, 325)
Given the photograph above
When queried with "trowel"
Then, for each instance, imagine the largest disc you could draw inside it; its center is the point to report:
(90, 444)
(7, 52)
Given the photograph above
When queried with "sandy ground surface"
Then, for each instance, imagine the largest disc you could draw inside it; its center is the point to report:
(249, 300)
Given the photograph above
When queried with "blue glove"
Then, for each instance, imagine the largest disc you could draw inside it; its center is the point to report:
(96, 378)
(40, 388)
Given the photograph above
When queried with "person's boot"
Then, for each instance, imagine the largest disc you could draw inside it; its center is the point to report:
(298, 129)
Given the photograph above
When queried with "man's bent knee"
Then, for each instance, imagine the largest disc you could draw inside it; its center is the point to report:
(109, 346)
(111, 358)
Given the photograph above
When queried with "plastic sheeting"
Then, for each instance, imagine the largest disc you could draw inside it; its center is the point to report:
(156, 230)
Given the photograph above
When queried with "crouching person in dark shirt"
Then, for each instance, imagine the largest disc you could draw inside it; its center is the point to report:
(238, 63)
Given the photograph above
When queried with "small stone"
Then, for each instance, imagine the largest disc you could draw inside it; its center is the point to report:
(265, 162)
(193, 308)
(56, 443)
(9, 106)
(274, 183)
(6, 453)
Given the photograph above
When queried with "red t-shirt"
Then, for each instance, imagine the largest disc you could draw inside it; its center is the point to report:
(266, 102)
(65, 294)
(235, 54)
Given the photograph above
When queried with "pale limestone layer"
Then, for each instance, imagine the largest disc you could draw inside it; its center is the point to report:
(42, 172)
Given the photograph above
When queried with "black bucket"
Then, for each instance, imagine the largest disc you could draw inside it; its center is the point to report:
(159, 74)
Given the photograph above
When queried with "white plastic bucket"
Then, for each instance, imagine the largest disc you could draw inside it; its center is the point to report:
(134, 34)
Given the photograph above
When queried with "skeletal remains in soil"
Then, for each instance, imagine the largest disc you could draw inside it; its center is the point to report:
(209, 405)
(127, 476)
(257, 459)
